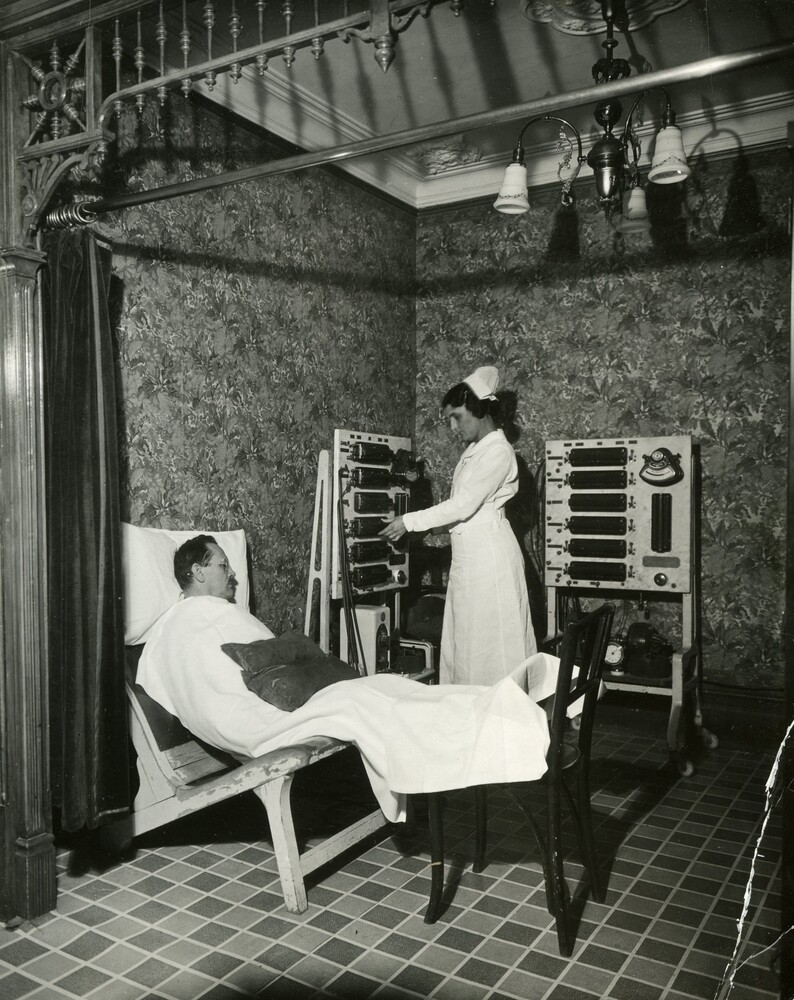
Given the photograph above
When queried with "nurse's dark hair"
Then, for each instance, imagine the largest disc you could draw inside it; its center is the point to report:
(194, 550)
(462, 395)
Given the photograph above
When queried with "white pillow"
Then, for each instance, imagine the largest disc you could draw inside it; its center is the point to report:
(150, 587)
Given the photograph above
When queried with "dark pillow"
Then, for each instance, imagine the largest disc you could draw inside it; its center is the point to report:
(287, 671)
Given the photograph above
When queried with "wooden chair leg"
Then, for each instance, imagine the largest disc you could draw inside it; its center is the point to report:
(480, 826)
(559, 889)
(540, 840)
(435, 823)
(582, 814)
(561, 909)
(275, 796)
(585, 817)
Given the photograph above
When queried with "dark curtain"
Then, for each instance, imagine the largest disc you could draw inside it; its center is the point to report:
(88, 712)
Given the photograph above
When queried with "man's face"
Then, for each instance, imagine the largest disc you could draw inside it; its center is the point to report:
(219, 578)
(463, 423)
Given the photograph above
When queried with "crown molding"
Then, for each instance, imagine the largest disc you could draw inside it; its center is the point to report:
(301, 119)
(310, 123)
(748, 126)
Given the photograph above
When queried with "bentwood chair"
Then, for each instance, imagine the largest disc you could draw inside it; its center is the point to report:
(581, 655)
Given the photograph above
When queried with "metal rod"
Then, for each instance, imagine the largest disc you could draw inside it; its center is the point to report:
(712, 66)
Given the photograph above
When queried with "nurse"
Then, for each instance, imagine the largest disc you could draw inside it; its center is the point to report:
(487, 630)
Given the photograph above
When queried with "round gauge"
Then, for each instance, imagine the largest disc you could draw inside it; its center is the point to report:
(615, 653)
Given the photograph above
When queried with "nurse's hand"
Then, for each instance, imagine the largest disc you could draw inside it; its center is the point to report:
(395, 529)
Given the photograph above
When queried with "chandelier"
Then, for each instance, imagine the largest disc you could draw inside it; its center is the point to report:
(613, 158)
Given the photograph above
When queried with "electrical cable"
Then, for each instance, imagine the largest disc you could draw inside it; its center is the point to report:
(351, 620)
(536, 533)
(355, 647)
(352, 652)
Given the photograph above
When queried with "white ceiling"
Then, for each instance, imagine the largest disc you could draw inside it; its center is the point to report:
(449, 67)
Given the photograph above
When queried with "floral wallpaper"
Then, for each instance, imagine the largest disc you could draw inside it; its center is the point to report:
(681, 331)
(252, 321)
(255, 319)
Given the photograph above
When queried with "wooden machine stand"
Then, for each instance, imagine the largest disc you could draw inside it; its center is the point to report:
(622, 515)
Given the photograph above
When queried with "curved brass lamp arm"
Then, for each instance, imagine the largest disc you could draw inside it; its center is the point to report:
(668, 115)
(518, 152)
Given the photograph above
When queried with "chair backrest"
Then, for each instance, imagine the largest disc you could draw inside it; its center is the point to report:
(582, 649)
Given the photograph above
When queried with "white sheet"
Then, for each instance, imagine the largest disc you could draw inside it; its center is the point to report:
(412, 737)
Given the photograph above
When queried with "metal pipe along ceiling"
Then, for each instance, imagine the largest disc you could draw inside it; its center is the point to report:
(713, 66)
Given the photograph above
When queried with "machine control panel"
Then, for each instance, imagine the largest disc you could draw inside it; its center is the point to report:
(618, 513)
(372, 473)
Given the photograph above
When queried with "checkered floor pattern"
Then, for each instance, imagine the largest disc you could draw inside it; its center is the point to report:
(195, 911)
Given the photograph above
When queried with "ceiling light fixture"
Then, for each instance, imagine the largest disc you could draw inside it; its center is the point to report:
(634, 216)
(612, 157)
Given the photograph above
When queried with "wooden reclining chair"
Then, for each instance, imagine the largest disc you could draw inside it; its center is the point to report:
(583, 646)
(180, 775)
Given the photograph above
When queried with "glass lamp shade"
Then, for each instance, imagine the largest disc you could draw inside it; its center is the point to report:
(512, 197)
(669, 164)
(635, 213)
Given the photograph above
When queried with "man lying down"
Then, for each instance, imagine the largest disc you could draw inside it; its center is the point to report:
(412, 737)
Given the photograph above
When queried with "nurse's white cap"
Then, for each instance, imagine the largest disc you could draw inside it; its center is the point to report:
(483, 382)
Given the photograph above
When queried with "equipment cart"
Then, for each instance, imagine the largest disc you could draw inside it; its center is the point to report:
(622, 515)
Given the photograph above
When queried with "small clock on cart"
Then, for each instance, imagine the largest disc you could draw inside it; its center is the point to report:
(615, 655)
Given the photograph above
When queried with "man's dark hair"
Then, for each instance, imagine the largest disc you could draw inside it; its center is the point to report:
(194, 550)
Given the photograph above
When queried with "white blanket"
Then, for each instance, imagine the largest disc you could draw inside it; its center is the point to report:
(412, 737)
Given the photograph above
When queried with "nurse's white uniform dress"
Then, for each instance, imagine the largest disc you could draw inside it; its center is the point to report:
(487, 629)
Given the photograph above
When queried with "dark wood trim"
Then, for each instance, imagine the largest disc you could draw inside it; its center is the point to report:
(743, 719)
(28, 883)
(27, 853)
(28, 19)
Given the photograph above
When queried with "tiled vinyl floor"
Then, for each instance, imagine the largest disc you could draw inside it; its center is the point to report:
(196, 912)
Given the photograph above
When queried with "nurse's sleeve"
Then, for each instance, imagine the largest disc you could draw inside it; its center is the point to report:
(488, 473)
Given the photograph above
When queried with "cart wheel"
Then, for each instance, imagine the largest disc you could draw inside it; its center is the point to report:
(684, 765)
(576, 722)
(708, 739)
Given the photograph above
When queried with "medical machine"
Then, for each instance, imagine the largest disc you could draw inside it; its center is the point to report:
(618, 513)
(374, 632)
(353, 569)
(621, 514)
(370, 485)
